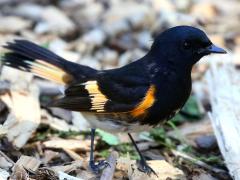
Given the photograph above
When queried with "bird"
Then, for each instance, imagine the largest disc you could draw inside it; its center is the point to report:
(136, 97)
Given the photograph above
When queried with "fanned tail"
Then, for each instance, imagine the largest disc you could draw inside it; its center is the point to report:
(27, 56)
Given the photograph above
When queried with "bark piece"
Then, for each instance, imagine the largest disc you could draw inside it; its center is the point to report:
(108, 172)
(223, 83)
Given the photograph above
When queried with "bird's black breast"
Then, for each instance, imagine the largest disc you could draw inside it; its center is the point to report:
(173, 90)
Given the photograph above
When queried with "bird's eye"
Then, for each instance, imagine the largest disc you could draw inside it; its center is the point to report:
(186, 45)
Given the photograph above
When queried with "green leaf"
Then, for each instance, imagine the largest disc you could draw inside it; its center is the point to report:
(191, 106)
(104, 153)
(159, 135)
(126, 149)
(211, 159)
(108, 138)
(178, 119)
(46, 45)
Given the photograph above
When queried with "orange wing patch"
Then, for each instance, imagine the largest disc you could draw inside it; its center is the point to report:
(146, 103)
(49, 71)
(98, 100)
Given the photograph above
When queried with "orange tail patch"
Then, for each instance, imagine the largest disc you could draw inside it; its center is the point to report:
(49, 71)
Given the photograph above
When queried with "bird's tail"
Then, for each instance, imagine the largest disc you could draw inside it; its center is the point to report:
(27, 56)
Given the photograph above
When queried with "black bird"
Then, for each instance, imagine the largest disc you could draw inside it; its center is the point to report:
(136, 97)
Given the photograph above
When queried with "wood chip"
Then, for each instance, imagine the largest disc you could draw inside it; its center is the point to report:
(45, 173)
(22, 165)
(28, 162)
(5, 161)
(73, 155)
(68, 168)
(163, 169)
(3, 131)
(4, 174)
(24, 116)
(49, 155)
(72, 144)
(86, 175)
(19, 173)
(55, 123)
(203, 177)
(64, 176)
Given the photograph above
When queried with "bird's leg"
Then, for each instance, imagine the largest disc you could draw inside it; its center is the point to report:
(143, 166)
(95, 167)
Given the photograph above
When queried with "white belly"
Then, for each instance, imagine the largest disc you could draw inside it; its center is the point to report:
(114, 126)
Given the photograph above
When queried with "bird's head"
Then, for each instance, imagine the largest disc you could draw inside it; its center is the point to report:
(182, 46)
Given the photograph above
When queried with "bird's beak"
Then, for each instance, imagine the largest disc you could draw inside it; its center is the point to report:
(212, 49)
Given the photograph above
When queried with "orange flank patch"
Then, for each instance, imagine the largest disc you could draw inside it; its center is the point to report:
(145, 104)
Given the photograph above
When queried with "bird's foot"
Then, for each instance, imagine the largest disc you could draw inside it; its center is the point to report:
(97, 167)
(144, 167)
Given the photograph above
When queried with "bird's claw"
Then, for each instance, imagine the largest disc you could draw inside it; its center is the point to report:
(97, 167)
(144, 167)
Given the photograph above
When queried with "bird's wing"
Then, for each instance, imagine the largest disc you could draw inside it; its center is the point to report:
(108, 96)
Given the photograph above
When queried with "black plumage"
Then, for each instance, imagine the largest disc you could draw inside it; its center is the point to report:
(135, 97)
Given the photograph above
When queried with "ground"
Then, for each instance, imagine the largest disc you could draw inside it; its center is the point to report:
(39, 142)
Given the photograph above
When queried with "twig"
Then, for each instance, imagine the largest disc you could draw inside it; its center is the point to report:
(108, 172)
(6, 157)
(197, 162)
